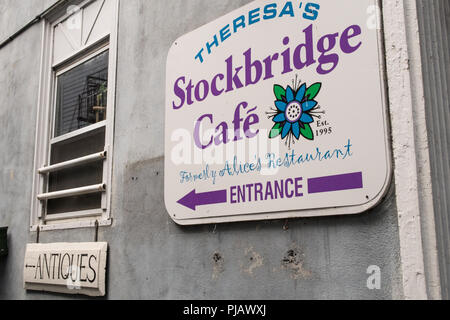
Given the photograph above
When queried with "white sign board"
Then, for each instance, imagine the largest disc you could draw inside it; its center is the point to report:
(277, 110)
(73, 268)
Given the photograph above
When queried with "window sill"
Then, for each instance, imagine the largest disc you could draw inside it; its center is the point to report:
(77, 133)
(72, 225)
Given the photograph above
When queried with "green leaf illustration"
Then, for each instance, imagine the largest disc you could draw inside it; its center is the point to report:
(307, 132)
(313, 91)
(279, 91)
(276, 130)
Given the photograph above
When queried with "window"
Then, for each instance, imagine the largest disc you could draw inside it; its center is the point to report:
(73, 158)
(81, 95)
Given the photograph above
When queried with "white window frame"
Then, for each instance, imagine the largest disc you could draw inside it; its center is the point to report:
(45, 126)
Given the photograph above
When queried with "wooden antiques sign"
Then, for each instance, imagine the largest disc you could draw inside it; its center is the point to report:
(72, 268)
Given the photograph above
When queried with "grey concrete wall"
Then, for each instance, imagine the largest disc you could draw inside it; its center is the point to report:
(150, 256)
(19, 84)
(16, 14)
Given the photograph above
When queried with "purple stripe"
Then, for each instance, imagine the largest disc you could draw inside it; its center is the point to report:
(212, 197)
(336, 183)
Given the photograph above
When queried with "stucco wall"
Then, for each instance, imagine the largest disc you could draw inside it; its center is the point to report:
(16, 14)
(19, 65)
(149, 255)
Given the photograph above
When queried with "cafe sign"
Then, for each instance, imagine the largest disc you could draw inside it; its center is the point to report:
(277, 110)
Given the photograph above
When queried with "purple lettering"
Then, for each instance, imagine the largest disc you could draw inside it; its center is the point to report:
(233, 195)
(179, 93)
(250, 121)
(200, 96)
(268, 65)
(258, 191)
(326, 58)
(298, 187)
(249, 66)
(286, 188)
(286, 57)
(308, 48)
(197, 141)
(232, 79)
(346, 36)
(216, 92)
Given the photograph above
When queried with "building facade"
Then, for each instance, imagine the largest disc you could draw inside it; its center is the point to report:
(60, 58)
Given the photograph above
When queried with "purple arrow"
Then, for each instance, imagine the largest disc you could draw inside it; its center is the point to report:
(193, 199)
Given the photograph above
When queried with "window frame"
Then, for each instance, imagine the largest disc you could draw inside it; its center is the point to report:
(45, 123)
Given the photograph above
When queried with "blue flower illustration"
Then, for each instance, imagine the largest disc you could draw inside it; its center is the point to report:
(293, 115)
